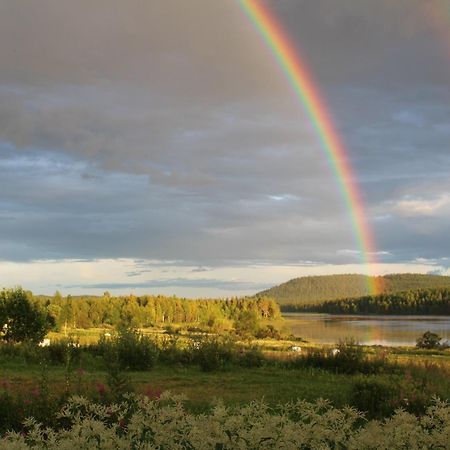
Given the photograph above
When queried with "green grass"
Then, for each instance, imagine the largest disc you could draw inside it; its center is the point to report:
(236, 386)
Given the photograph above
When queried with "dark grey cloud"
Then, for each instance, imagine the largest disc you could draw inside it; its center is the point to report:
(179, 282)
(164, 130)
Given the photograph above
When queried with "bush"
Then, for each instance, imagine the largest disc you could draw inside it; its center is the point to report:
(140, 422)
(348, 358)
(21, 319)
(247, 324)
(132, 351)
(26, 351)
(429, 340)
(251, 357)
(268, 331)
(10, 407)
(172, 351)
(214, 353)
(64, 351)
(375, 397)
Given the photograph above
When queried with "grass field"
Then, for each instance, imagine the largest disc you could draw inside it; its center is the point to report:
(205, 368)
(273, 382)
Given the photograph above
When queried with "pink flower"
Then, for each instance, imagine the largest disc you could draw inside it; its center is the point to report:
(151, 393)
(101, 389)
(35, 392)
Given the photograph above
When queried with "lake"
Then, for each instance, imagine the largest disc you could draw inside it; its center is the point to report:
(368, 330)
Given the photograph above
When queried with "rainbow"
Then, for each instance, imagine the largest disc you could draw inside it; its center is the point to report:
(307, 92)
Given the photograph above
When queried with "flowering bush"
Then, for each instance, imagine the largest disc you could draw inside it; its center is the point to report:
(140, 422)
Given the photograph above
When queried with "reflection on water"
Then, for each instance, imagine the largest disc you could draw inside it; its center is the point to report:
(368, 330)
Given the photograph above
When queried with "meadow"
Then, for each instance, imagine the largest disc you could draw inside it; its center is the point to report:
(206, 367)
(211, 373)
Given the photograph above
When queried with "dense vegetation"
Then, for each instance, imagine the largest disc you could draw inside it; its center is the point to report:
(163, 423)
(413, 302)
(147, 310)
(38, 380)
(317, 289)
(22, 319)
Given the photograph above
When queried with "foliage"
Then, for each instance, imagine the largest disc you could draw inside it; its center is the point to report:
(145, 311)
(374, 396)
(429, 340)
(420, 302)
(130, 350)
(251, 357)
(141, 422)
(348, 358)
(37, 402)
(247, 324)
(315, 290)
(269, 331)
(214, 353)
(63, 351)
(21, 319)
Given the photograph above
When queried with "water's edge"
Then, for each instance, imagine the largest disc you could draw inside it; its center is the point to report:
(386, 330)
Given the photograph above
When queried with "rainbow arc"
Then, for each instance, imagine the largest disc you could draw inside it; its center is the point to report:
(308, 93)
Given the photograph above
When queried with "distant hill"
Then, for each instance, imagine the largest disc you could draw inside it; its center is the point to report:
(318, 289)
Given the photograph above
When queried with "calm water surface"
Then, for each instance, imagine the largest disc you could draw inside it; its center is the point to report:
(368, 330)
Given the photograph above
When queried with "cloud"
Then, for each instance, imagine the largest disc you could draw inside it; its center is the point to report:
(156, 131)
(169, 277)
(199, 283)
(421, 207)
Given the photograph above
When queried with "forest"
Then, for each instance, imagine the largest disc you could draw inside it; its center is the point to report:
(317, 289)
(145, 311)
(411, 302)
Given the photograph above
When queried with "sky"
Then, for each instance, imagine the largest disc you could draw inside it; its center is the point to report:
(157, 147)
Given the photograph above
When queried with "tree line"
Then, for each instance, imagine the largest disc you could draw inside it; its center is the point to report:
(413, 302)
(317, 289)
(148, 310)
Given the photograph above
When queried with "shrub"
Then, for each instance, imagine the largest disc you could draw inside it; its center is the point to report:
(131, 350)
(247, 324)
(10, 410)
(349, 358)
(173, 352)
(429, 340)
(27, 351)
(21, 319)
(269, 331)
(375, 397)
(163, 422)
(214, 353)
(251, 357)
(63, 351)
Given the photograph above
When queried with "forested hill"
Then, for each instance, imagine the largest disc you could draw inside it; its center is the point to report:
(318, 289)
(419, 301)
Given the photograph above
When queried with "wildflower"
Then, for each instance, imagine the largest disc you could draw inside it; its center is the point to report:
(101, 389)
(35, 392)
(153, 394)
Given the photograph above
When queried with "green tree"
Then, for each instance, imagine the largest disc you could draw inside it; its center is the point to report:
(429, 340)
(21, 319)
(247, 324)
